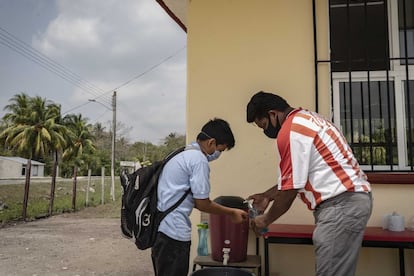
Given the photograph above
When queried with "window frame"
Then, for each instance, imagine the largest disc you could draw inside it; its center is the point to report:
(397, 72)
(399, 114)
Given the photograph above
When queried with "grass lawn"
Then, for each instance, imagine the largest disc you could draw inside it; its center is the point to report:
(12, 195)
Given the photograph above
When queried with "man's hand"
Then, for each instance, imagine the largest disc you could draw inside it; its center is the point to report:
(238, 216)
(258, 224)
(260, 202)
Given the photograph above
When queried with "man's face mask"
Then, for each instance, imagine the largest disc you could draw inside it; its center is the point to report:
(214, 156)
(272, 131)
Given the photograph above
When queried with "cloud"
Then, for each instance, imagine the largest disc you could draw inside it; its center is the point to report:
(111, 42)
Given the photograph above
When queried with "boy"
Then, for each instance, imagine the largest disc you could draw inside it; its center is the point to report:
(189, 170)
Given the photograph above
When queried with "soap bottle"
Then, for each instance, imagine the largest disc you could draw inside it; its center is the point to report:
(253, 212)
(202, 249)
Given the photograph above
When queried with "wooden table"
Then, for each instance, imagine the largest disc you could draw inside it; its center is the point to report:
(302, 234)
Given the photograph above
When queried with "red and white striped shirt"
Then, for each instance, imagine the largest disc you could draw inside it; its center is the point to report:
(316, 159)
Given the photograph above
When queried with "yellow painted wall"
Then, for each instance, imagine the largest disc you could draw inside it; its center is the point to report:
(239, 47)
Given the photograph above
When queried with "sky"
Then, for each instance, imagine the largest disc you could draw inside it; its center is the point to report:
(76, 53)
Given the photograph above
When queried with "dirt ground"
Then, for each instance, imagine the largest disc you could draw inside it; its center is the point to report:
(70, 244)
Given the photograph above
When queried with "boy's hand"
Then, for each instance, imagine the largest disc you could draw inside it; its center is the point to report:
(238, 216)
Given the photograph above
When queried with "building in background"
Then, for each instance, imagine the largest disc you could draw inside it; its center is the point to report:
(15, 167)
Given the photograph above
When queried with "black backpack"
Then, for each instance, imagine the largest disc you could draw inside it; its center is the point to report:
(140, 217)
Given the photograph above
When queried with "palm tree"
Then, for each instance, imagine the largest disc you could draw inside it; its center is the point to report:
(15, 136)
(18, 109)
(31, 129)
(79, 147)
(59, 139)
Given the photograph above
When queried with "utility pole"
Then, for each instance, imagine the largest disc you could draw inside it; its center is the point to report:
(113, 146)
(112, 191)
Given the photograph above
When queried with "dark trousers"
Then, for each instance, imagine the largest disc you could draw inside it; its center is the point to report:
(170, 257)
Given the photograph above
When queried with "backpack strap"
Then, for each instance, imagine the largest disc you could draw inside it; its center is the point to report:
(166, 159)
(172, 154)
(176, 204)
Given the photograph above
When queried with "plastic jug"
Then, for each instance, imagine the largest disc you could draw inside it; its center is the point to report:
(202, 249)
(396, 223)
(228, 240)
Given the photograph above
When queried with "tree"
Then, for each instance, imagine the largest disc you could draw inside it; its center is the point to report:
(59, 137)
(146, 152)
(102, 142)
(31, 130)
(173, 141)
(14, 135)
(18, 109)
(80, 145)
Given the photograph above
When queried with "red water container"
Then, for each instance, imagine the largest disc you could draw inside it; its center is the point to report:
(227, 238)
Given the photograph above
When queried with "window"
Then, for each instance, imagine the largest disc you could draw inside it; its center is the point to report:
(406, 30)
(35, 169)
(409, 96)
(359, 39)
(368, 121)
(23, 170)
(372, 65)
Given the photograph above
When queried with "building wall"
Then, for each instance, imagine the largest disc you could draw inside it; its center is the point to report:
(40, 170)
(236, 48)
(10, 169)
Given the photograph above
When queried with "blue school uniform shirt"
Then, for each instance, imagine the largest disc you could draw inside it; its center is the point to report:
(188, 169)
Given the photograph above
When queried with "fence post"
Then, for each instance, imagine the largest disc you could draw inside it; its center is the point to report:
(103, 185)
(87, 187)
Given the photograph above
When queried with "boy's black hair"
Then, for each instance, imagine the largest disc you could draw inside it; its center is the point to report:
(262, 102)
(218, 129)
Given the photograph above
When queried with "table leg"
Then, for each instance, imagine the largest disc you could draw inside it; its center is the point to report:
(402, 264)
(266, 256)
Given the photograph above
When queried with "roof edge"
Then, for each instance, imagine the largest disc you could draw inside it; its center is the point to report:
(172, 15)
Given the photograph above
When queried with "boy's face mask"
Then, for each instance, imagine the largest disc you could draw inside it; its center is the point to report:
(214, 156)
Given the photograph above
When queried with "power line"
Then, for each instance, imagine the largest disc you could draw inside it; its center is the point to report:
(144, 73)
(130, 80)
(76, 107)
(22, 48)
(95, 120)
(149, 69)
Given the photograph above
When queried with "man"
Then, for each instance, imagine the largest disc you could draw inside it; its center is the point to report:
(315, 162)
(189, 170)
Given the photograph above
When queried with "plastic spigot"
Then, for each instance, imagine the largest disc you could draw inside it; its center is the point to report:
(226, 255)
